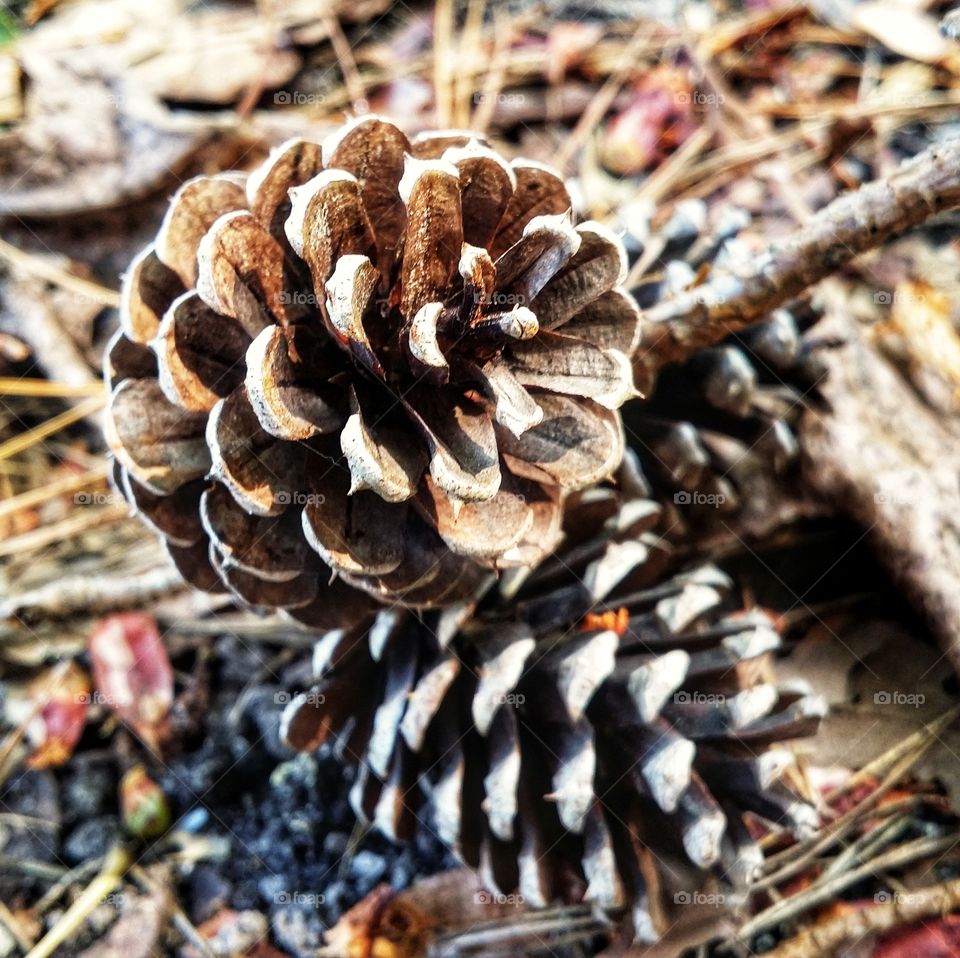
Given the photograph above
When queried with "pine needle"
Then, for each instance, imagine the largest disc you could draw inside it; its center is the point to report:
(442, 56)
(114, 868)
(43, 388)
(59, 277)
(31, 437)
(62, 487)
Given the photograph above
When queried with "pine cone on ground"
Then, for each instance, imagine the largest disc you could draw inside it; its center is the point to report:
(715, 434)
(383, 359)
(588, 730)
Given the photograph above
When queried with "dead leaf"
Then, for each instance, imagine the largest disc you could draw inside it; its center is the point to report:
(935, 938)
(62, 696)
(132, 673)
(904, 29)
(659, 117)
(882, 684)
(136, 933)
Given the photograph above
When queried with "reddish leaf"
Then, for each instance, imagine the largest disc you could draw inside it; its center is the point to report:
(659, 117)
(62, 697)
(133, 674)
(939, 938)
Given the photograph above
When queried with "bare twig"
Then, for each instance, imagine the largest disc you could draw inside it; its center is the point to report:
(73, 525)
(177, 914)
(60, 277)
(852, 224)
(52, 426)
(12, 386)
(793, 860)
(826, 937)
(828, 889)
(602, 100)
(10, 921)
(60, 487)
(92, 595)
(114, 868)
(348, 65)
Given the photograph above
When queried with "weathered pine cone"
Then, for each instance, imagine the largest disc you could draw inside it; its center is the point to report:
(715, 434)
(380, 359)
(589, 731)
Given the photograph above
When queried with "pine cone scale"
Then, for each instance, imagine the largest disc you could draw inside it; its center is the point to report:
(197, 205)
(162, 444)
(259, 470)
(200, 354)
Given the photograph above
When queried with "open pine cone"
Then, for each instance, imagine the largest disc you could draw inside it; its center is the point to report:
(387, 358)
(715, 433)
(587, 731)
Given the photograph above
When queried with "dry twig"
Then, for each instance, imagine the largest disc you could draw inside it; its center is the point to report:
(852, 224)
(882, 916)
(828, 889)
(92, 595)
(114, 868)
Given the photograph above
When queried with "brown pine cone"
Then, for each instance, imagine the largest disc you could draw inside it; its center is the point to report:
(587, 731)
(380, 359)
(715, 433)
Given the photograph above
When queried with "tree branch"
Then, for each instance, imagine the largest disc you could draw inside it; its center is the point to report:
(852, 224)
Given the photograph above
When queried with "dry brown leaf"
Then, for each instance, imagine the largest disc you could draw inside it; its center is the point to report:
(882, 684)
(904, 29)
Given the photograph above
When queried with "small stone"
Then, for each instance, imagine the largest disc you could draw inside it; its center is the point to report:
(335, 844)
(367, 868)
(402, 874)
(91, 839)
(299, 772)
(264, 708)
(34, 794)
(297, 929)
(234, 933)
(273, 889)
(87, 789)
(209, 892)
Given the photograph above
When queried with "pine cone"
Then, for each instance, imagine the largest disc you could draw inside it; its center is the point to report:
(391, 359)
(587, 731)
(715, 433)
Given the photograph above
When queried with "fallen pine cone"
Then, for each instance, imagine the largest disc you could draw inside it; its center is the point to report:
(380, 359)
(715, 433)
(587, 731)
